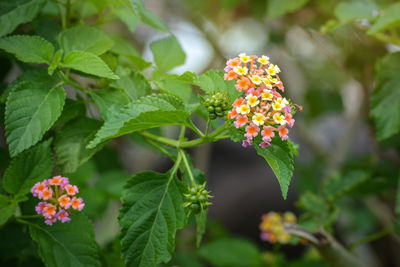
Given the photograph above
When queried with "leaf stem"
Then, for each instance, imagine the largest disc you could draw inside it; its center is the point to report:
(208, 126)
(195, 129)
(185, 161)
(216, 135)
(72, 83)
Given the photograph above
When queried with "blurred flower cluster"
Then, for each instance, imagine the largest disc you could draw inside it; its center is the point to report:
(59, 197)
(272, 227)
(261, 109)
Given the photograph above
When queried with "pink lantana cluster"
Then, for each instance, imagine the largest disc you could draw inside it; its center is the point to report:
(261, 110)
(59, 197)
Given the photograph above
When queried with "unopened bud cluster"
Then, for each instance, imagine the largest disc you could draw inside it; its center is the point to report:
(272, 227)
(217, 104)
(197, 198)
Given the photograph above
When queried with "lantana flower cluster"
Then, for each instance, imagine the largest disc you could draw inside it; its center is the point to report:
(59, 199)
(272, 227)
(261, 110)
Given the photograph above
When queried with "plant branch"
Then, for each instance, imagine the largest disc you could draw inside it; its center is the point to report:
(189, 170)
(330, 249)
(77, 86)
(215, 136)
(372, 237)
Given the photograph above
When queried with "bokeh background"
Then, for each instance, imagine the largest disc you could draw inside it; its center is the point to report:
(327, 62)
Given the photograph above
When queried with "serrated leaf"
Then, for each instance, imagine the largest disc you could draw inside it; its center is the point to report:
(201, 225)
(152, 210)
(336, 186)
(85, 38)
(31, 110)
(135, 85)
(231, 251)
(66, 244)
(385, 99)
(7, 209)
(146, 112)
(147, 17)
(280, 159)
(31, 166)
(213, 80)
(167, 53)
(70, 144)
(294, 148)
(235, 134)
(350, 11)
(27, 48)
(109, 101)
(278, 8)
(89, 63)
(179, 88)
(389, 19)
(72, 109)
(312, 203)
(128, 17)
(14, 13)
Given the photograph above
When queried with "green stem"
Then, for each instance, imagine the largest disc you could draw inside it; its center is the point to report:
(208, 126)
(196, 142)
(197, 130)
(72, 83)
(189, 170)
(372, 237)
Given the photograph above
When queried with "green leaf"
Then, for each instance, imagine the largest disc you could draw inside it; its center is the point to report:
(174, 85)
(123, 47)
(147, 17)
(213, 80)
(146, 112)
(72, 109)
(385, 99)
(294, 148)
(31, 109)
(109, 101)
(66, 244)
(27, 48)
(278, 8)
(167, 53)
(230, 251)
(7, 209)
(16, 12)
(70, 144)
(135, 85)
(388, 20)
(4, 158)
(130, 19)
(350, 11)
(88, 63)
(31, 166)
(85, 38)
(152, 210)
(201, 225)
(336, 186)
(56, 60)
(280, 159)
